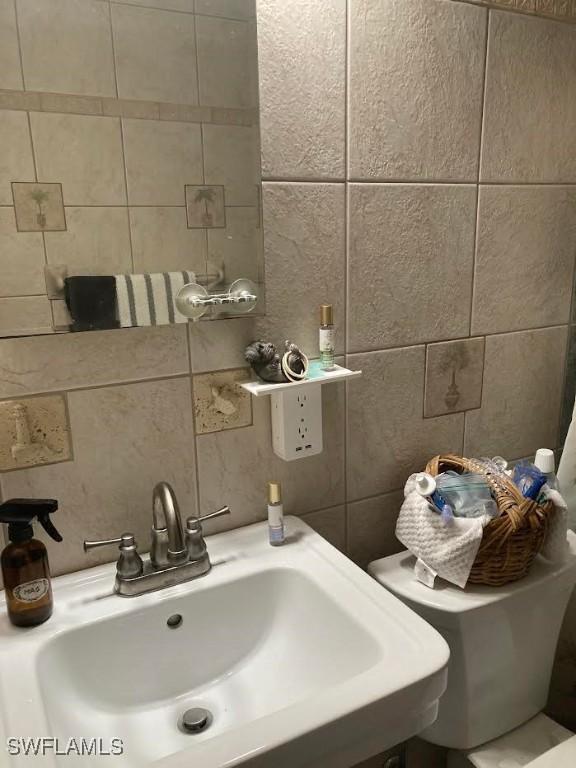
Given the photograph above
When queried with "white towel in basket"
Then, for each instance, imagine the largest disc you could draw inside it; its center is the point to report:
(448, 548)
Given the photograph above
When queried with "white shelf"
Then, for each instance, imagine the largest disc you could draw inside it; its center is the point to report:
(315, 376)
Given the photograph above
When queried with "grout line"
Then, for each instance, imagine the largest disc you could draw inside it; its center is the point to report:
(134, 109)
(346, 258)
(113, 44)
(487, 55)
(197, 60)
(19, 41)
(411, 345)
(566, 385)
(127, 206)
(376, 495)
(88, 387)
(180, 11)
(34, 163)
(415, 182)
(312, 180)
(195, 451)
(24, 295)
(496, 6)
(477, 218)
(304, 515)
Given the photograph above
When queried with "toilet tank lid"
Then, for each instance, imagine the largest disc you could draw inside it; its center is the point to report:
(396, 573)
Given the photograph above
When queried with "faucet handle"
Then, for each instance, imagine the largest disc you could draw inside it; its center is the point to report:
(126, 540)
(129, 562)
(194, 538)
(222, 511)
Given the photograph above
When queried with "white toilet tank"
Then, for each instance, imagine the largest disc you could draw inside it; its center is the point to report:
(502, 643)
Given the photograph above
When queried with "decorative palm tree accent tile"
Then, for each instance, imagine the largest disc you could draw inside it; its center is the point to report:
(38, 207)
(205, 207)
(454, 371)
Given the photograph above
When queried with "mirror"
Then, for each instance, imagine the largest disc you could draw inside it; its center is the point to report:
(129, 164)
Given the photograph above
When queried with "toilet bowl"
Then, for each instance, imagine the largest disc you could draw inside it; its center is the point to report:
(502, 645)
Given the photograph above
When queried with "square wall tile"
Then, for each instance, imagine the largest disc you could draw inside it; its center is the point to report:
(67, 47)
(205, 207)
(416, 72)
(161, 241)
(25, 315)
(126, 439)
(218, 344)
(230, 9)
(409, 244)
(18, 164)
(72, 360)
(84, 154)
(530, 109)
(454, 371)
(371, 528)
(522, 395)
(38, 207)
(330, 524)
(227, 62)
(34, 431)
(220, 402)
(388, 437)
(232, 158)
(235, 466)
(21, 258)
(305, 263)
(170, 74)
(302, 46)
(524, 257)
(167, 5)
(10, 68)
(161, 158)
(97, 241)
(238, 247)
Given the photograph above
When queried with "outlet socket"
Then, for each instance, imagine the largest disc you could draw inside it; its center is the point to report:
(297, 422)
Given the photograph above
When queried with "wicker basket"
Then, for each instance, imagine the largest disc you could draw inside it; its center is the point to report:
(511, 541)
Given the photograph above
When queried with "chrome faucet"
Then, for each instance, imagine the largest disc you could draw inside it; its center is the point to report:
(167, 532)
(175, 555)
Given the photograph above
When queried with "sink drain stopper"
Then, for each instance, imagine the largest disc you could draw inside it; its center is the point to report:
(196, 720)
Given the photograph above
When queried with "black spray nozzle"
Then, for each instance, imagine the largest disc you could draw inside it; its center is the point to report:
(19, 514)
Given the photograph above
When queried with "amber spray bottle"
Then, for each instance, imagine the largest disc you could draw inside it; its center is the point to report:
(25, 567)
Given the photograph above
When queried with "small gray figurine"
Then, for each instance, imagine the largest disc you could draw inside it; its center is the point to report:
(265, 361)
(269, 366)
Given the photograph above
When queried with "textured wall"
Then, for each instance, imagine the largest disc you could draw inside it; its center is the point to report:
(563, 10)
(420, 165)
(418, 175)
(110, 146)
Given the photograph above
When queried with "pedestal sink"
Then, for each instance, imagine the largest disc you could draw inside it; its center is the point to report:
(296, 657)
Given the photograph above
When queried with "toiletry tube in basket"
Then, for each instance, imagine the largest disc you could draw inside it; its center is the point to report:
(426, 486)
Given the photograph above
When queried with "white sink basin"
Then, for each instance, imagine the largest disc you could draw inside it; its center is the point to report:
(301, 658)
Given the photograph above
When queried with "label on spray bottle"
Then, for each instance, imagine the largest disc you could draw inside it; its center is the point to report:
(327, 342)
(276, 523)
(31, 591)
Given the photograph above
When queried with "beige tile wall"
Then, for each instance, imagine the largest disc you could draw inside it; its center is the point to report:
(117, 133)
(562, 10)
(446, 222)
(415, 244)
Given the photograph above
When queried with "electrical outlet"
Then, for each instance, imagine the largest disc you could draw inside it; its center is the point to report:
(297, 422)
